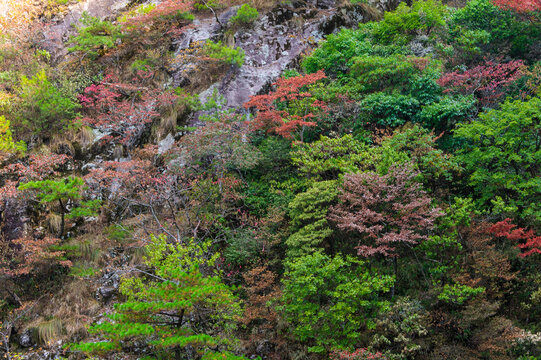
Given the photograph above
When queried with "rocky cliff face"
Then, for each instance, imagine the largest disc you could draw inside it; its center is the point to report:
(62, 27)
(275, 42)
(272, 44)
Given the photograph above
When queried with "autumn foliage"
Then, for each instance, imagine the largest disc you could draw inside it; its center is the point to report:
(270, 116)
(259, 314)
(529, 242)
(488, 82)
(33, 254)
(358, 354)
(168, 17)
(16, 15)
(520, 6)
(387, 211)
(121, 110)
(345, 212)
(35, 167)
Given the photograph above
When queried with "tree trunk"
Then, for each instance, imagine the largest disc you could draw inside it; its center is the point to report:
(62, 210)
(395, 268)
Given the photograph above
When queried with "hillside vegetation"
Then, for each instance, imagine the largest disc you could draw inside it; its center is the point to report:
(377, 195)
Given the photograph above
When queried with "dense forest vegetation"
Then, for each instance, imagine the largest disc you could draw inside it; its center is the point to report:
(377, 197)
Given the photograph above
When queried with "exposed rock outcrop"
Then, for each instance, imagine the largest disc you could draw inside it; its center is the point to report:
(272, 44)
(58, 33)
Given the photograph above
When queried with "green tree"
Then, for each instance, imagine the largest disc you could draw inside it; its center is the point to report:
(504, 30)
(412, 143)
(95, 36)
(446, 113)
(401, 25)
(328, 158)
(245, 15)
(43, 109)
(61, 191)
(381, 109)
(308, 212)
(173, 307)
(377, 73)
(7, 145)
(224, 54)
(330, 302)
(502, 154)
(334, 55)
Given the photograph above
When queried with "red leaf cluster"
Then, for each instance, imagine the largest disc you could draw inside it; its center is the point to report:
(388, 210)
(488, 81)
(359, 354)
(27, 253)
(37, 167)
(116, 179)
(122, 110)
(520, 6)
(34, 253)
(272, 119)
(510, 231)
(165, 12)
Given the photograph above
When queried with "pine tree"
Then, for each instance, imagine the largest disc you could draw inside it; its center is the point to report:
(61, 191)
(173, 307)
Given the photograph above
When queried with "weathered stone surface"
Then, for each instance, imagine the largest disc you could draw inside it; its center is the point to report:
(385, 5)
(420, 46)
(14, 218)
(166, 144)
(272, 44)
(110, 282)
(59, 32)
(26, 339)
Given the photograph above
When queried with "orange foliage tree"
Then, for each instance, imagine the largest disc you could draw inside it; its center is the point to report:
(520, 6)
(272, 115)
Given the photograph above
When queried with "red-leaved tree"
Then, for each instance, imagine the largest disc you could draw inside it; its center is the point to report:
(488, 82)
(32, 254)
(358, 354)
(390, 213)
(272, 115)
(529, 241)
(35, 167)
(29, 252)
(122, 111)
(260, 316)
(521, 6)
(166, 18)
(156, 28)
(134, 179)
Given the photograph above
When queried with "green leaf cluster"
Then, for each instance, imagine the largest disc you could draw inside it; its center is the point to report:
(245, 15)
(502, 154)
(176, 306)
(457, 294)
(335, 54)
(48, 191)
(388, 109)
(224, 53)
(7, 145)
(447, 112)
(330, 301)
(328, 158)
(414, 144)
(376, 73)
(401, 25)
(43, 109)
(308, 212)
(493, 28)
(95, 36)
